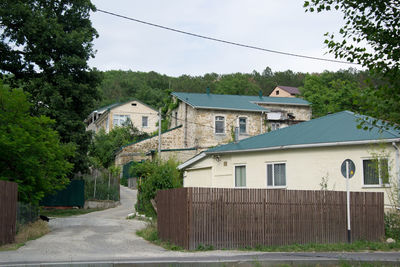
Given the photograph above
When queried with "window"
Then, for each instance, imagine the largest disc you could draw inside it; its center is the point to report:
(276, 174)
(376, 171)
(176, 118)
(219, 124)
(240, 176)
(277, 92)
(242, 125)
(118, 120)
(145, 121)
(275, 126)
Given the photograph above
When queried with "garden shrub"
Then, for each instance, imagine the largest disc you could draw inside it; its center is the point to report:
(155, 175)
(392, 225)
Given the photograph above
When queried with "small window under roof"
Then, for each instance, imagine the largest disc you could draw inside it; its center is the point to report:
(133, 104)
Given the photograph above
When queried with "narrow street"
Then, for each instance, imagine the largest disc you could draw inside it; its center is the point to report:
(107, 237)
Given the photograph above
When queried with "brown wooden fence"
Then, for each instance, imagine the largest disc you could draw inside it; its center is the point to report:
(235, 218)
(8, 211)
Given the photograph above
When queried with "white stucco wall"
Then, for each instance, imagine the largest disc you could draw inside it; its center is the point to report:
(305, 168)
(135, 110)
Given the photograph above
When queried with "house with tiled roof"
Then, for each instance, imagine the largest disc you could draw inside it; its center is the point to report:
(142, 116)
(285, 91)
(201, 121)
(211, 119)
(305, 156)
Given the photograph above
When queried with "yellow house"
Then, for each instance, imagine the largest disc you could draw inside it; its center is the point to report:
(143, 117)
(285, 91)
(305, 156)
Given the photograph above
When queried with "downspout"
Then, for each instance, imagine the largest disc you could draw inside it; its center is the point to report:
(261, 122)
(397, 166)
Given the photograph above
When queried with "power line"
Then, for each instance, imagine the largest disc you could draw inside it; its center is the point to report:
(224, 41)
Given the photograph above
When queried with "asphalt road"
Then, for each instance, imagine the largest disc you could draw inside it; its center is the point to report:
(106, 237)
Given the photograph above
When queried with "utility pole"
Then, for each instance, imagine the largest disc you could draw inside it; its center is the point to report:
(159, 132)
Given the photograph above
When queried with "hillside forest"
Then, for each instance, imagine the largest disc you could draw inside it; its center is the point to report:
(328, 91)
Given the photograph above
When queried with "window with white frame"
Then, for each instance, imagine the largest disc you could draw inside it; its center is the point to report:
(242, 125)
(275, 126)
(118, 120)
(240, 176)
(145, 121)
(219, 124)
(276, 174)
(376, 171)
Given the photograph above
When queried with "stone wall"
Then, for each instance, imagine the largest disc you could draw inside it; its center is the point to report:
(172, 139)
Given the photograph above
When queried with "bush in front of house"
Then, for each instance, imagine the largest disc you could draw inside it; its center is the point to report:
(155, 175)
(392, 225)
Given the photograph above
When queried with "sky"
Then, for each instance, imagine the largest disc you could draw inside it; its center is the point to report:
(281, 25)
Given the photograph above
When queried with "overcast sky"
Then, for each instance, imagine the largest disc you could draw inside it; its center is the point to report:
(272, 24)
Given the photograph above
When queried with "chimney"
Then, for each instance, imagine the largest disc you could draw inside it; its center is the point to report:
(208, 90)
(260, 93)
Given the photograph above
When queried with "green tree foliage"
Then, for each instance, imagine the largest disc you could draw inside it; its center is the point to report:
(104, 146)
(331, 92)
(237, 84)
(370, 37)
(31, 152)
(45, 45)
(154, 176)
(153, 88)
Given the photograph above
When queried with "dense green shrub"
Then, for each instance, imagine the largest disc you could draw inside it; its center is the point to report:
(392, 225)
(154, 176)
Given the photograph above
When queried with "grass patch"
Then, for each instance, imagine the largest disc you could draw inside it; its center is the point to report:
(27, 232)
(66, 212)
(150, 234)
(356, 246)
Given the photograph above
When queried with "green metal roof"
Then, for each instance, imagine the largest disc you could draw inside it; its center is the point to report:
(235, 102)
(335, 128)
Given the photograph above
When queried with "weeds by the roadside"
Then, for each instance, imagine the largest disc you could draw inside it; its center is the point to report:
(313, 247)
(66, 212)
(150, 233)
(27, 232)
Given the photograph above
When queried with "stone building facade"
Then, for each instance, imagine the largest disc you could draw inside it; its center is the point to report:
(202, 121)
(209, 120)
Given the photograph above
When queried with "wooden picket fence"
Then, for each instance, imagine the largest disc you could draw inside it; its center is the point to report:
(8, 211)
(236, 218)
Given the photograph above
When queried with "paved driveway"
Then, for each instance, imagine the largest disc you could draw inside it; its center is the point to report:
(106, 236)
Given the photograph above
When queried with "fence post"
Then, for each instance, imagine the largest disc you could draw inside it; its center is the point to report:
(189, 202)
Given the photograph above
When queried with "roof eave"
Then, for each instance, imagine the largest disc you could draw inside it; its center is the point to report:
(192, 160)
(235, 109)
(347, 143)
(283, 103)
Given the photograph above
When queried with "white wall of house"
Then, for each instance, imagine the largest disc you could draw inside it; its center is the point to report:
(305, 168)
(138, 113)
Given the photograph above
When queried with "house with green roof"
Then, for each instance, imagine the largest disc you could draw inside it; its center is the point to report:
(143, 117)
(211, 119)
(305, 156)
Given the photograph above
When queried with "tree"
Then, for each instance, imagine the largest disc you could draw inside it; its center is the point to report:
(370, 37)
(104, 146)
(32, 155)
(45, 46)
(237, 84)
(331, 92)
